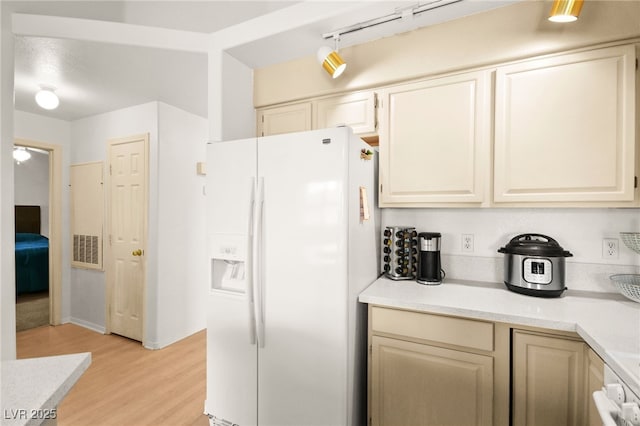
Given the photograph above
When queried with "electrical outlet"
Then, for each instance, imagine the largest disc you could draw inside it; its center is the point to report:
(610, 248)
(467, 243)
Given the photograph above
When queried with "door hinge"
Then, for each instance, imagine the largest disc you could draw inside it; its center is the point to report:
(636, 64)
(381, 188)
(370, 349)
(635, 181)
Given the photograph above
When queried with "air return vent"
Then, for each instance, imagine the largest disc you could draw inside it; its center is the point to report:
(86, 249)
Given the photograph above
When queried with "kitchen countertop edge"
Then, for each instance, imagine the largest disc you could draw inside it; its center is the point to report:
(51, 377)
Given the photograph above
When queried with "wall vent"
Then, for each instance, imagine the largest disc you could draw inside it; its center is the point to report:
(86, 249)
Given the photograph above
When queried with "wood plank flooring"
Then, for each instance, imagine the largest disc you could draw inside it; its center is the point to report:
(126, 384)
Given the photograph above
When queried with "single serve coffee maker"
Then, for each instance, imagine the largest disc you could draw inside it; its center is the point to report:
(429, 267)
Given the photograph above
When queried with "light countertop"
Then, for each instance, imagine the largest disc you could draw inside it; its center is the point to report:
(609, 323)
(32, 388)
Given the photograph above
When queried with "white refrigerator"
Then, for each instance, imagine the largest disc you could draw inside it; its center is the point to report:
(292, 242)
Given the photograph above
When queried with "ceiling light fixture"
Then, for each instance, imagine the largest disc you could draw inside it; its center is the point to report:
(565, 10)
(331, 61)
(46, 98)
(20, 154)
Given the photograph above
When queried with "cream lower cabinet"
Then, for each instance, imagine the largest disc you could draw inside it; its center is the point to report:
(565, 128)
(429, 369)
(594, 380)
(549, 380)
(416, 384)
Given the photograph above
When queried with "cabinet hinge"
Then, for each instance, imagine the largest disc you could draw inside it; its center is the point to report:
(381, 188)
(636, 64)
(110, 170)
(370, 349)
(635, 181)
(370, 421)
(375, 98)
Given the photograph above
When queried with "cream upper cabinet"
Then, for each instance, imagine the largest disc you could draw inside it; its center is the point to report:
(565, 128)
(434, 141)
(356, 110)
(548, 380)
(284, 119)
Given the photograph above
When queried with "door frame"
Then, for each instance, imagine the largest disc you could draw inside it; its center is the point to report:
(55, 224)
(108, 254)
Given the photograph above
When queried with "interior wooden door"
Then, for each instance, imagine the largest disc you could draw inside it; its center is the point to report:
(128, 170)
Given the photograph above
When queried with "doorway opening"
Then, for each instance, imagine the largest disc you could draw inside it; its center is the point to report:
(38, 201)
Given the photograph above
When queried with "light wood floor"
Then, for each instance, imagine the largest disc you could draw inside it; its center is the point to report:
(126, 384)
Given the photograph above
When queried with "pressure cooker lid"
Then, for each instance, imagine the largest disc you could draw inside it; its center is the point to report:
(534, 245)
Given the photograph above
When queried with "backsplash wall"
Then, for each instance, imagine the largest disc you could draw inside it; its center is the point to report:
(581, 231)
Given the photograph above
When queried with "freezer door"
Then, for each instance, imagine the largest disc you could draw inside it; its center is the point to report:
(231, 346)
(302, 361)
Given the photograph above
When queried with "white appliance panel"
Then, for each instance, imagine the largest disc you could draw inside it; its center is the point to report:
(302, 368)
(231, 347)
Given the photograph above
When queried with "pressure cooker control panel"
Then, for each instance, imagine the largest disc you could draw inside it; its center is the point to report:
(537, 271)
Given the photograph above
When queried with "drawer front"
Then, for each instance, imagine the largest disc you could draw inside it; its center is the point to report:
(437, 328)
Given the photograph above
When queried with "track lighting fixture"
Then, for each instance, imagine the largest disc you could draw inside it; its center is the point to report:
(565, 10)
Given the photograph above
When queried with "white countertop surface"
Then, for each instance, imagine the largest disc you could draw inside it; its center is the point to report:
(32, 388)
(610, 324)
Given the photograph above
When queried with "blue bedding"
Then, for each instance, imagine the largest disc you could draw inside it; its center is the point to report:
(32, 263)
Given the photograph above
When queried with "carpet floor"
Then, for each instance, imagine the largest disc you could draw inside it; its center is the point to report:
(32, 310)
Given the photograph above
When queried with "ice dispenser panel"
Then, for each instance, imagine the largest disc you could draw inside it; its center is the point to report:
(228, 256)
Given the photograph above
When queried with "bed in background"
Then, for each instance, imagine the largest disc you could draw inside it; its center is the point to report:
(32, 252)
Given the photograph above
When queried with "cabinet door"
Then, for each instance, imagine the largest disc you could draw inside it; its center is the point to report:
(548, 380)
(284, 119)
(356, 110)
(434, 139)
(564, 128)
(418, 385)
(594, 377)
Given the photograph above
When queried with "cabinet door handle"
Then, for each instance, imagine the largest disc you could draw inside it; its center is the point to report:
(138, 252)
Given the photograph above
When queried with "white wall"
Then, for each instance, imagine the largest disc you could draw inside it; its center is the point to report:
(176, 267)
(89, 138)
(182, 263)
(7, 244)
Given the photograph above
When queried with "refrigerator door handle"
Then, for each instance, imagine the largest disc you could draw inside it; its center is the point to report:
(257, 263)
(250, 284)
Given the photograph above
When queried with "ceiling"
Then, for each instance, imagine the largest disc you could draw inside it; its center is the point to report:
(92, 78)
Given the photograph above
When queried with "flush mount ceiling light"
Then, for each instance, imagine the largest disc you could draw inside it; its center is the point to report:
(565, 10)
(46, 98)
(331, 61)
(20, 154)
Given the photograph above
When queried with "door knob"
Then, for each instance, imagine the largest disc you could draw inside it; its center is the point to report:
(137, 252)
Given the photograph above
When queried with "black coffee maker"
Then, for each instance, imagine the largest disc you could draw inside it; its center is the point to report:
(429, 267)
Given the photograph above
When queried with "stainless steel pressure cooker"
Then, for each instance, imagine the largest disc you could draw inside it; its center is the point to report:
(534, 265)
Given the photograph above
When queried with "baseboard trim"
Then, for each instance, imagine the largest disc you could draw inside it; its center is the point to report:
(86, 324)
